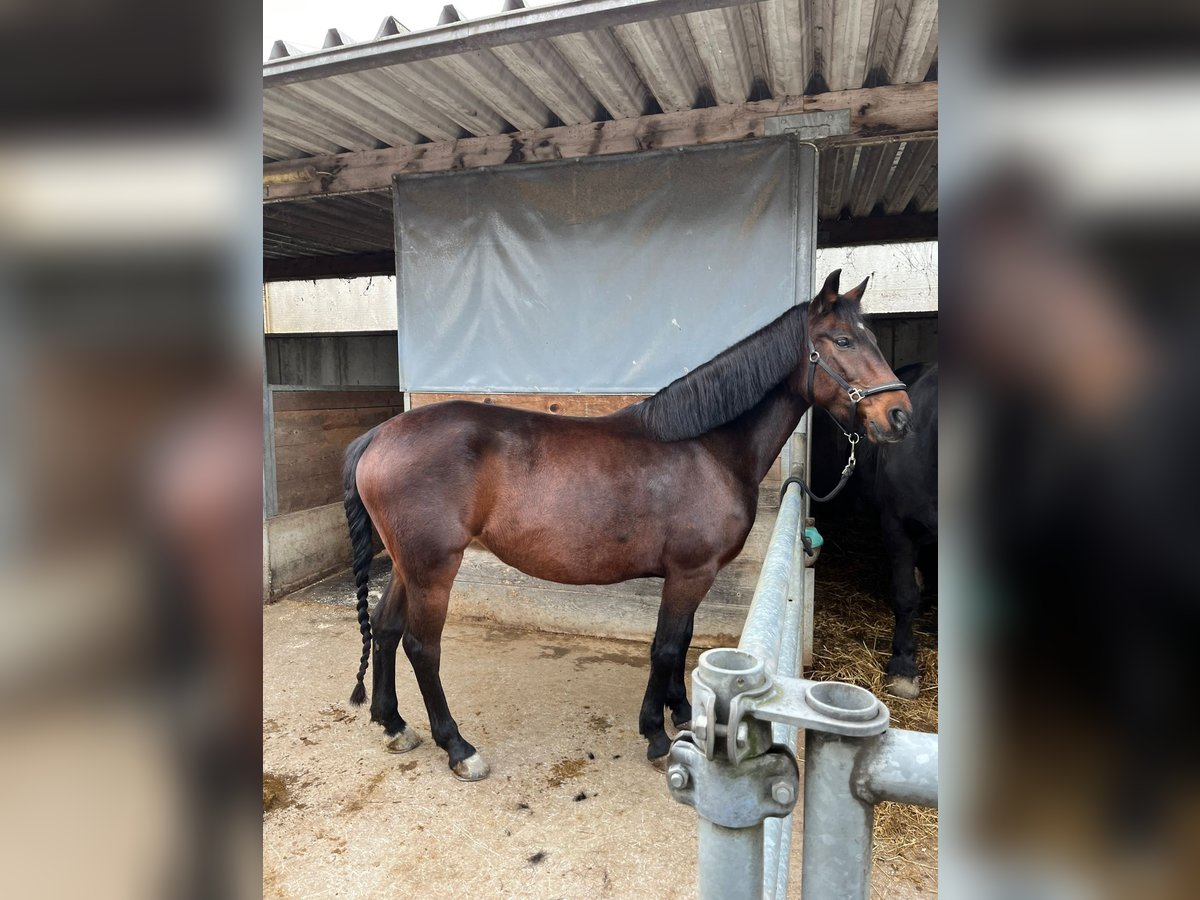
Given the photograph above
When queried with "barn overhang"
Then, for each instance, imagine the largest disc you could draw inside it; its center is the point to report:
(588, 78)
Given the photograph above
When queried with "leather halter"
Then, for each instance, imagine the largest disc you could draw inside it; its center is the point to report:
(856, 395)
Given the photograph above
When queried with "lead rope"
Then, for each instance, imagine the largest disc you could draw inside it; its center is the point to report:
(846, 473)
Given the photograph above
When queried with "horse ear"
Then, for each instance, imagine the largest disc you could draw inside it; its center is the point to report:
(828, 294)
(855, 294)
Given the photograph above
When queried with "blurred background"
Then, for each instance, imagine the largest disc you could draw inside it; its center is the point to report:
(1071, 197)
(130, 448)
(130, 440)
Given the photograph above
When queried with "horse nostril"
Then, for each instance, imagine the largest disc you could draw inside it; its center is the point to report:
(899, 418)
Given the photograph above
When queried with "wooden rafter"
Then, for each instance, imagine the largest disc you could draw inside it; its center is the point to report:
(904, 109)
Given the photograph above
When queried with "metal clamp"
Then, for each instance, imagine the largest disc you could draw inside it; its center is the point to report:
(755, 699)
(733, 796)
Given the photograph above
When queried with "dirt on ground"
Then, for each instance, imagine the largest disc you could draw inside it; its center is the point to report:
(571, 809)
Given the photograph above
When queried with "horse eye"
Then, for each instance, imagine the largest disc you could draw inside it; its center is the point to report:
(842, 342)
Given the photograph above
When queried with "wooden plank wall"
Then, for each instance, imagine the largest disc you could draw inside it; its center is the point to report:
(312, 429)
(485, 581)
(907, 339)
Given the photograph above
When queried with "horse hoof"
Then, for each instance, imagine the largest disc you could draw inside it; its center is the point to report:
(660, 763)
(473, 768)
(404, 741)
(904, 687)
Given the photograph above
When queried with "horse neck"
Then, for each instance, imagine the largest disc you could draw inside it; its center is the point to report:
(753, 440)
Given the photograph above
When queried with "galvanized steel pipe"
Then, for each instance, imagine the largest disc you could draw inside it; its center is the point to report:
(761, 633)
(900, 766)
(777, 833)
(837, 823)
(730, 862)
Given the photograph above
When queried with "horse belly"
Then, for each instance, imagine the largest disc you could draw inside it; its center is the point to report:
(568, 556)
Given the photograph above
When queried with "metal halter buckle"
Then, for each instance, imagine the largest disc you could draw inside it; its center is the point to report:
(856, 395)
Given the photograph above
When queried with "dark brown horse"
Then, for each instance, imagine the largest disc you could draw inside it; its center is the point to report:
(666, 488)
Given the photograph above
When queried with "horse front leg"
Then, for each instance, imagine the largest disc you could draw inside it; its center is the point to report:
(677, 698)
(903, 674)
(682, 593)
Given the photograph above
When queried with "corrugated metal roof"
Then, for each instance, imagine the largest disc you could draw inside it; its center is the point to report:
(589, 61)
(725, 55)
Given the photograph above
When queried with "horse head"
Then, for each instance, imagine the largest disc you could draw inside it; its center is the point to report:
(844, 371)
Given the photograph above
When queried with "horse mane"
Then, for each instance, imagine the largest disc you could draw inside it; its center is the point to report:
(729, 384)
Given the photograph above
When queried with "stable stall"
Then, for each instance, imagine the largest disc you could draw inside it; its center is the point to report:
(567, 81)
(577, 203)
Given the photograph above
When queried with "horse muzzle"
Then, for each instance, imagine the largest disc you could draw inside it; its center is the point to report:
(898, 427)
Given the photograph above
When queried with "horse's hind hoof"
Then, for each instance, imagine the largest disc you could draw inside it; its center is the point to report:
(404, 741)
(904, 687)
(660, 763)
(473, 768)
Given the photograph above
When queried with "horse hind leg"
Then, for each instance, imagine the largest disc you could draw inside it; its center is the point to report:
(387, 629)
(428, 599)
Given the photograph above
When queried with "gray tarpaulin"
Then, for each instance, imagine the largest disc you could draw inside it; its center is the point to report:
(608, 274)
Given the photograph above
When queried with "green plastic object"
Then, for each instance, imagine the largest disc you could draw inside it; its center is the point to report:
(815, 536)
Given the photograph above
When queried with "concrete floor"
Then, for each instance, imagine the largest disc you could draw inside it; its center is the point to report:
(571, 809)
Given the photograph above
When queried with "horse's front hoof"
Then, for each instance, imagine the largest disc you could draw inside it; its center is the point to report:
(904, 687)
(404, 741)
(660, 763)
(473, 768)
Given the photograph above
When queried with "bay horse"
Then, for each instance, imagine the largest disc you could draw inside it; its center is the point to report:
(666, 488)
(902, 483)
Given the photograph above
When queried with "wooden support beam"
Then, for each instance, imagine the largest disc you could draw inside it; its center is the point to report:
(875, 113)
(877, 230)
(306, 268)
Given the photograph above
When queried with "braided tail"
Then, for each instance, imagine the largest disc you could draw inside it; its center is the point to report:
(361, 546)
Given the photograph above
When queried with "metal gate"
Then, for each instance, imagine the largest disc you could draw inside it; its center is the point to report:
(738, 768)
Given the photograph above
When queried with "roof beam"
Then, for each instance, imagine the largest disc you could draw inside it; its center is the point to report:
(307, 268)
(839, 233)
(876, 114)
(877, 230)
(476, 34)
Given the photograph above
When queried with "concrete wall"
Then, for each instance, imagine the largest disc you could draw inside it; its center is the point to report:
(904, 277)
(302, 547)
(330, 305)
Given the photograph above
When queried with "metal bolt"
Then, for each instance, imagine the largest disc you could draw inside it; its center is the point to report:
(783, 793)
(743, 734)
(700, 726)
(677, 777)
